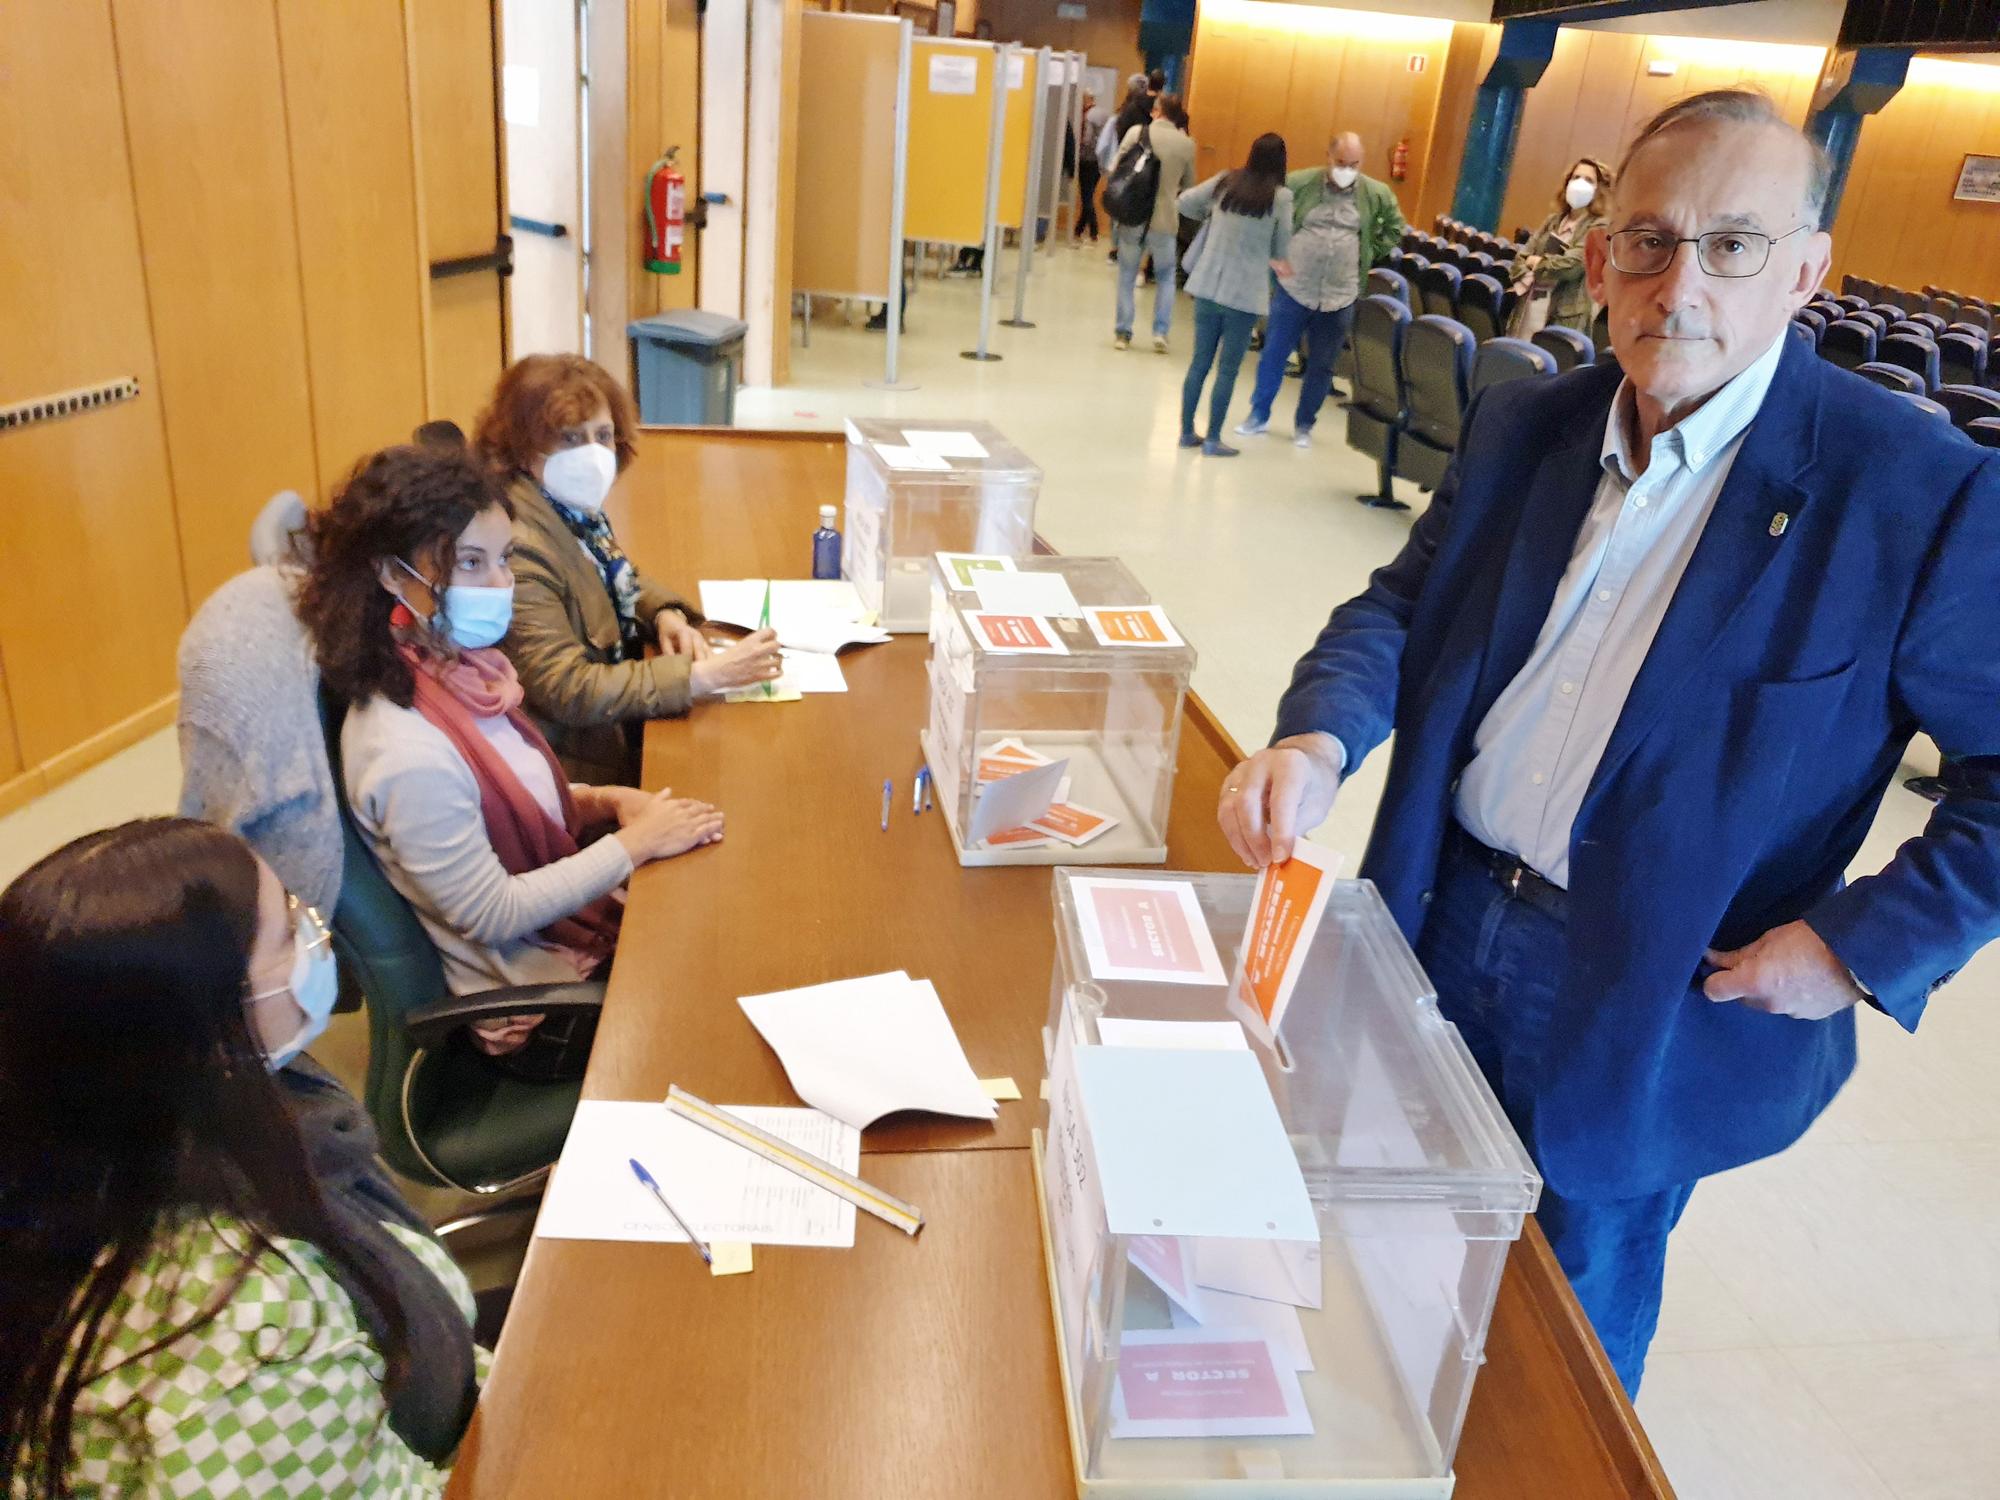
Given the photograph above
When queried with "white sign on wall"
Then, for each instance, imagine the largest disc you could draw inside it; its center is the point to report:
(953, 75)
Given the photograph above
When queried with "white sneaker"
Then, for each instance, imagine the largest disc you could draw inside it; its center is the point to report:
(1251, 427)
(1303, 438)
(1159, 343)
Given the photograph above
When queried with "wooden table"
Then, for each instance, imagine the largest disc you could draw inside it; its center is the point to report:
(902, 1367)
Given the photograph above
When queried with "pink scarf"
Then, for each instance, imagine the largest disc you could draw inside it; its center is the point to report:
(452, 694)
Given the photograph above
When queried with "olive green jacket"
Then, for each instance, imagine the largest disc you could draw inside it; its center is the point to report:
(1381, 216)
(564, 644)
(1562, 264)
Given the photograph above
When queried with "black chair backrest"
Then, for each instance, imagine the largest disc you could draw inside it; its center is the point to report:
(1437, 378)
(1414, 265)
(1970, 327)
(1985, 431)
(1930, 320)
(1383, 282)
(1891, 377)
(1890, 312)
(1976, 315)
(1962, 358)
(1483, 261)
(1944, 308)
(1437, 286)
(1813, 321)
(1912, 353)
(1567, 347)
(1911, 325)
(1850, 342)
(1502, 359)
(1379, 326)
(1480, 299)
(1852, 302)
(1873, 318)
(1925, 405)
(1967, 403)
(1600, 330)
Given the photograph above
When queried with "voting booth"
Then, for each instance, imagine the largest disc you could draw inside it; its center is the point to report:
(1056, 695)
(1273, 1250)
(916, 488)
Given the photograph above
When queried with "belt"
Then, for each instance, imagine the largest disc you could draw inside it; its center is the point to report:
(1517, 879)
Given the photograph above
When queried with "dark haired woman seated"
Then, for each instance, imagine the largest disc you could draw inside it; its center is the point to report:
(207, 1283)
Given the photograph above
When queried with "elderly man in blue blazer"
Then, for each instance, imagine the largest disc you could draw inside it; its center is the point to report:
(1651, 658)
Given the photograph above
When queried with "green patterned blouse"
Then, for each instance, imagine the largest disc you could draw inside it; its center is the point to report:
(279, 1394)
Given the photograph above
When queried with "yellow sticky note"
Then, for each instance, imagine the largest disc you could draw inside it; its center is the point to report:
(1045, 1088)
(731, 1259)
(758, 695)
(1000, 1088)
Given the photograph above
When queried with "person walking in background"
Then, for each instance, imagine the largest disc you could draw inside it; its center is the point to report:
(1548, 278)
(1165, 136)
(1249, 227)
(1095, 118)
(1135, 109)
(1343, 225)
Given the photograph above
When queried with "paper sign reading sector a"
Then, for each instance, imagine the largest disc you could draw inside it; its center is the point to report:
(1145, 929)
(952, 74)
(1285, 912)
(1132, 625)
(1198, 1382)
(1027, 635)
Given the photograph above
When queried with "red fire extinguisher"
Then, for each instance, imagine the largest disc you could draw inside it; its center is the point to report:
(666, 214)
(1399, 160)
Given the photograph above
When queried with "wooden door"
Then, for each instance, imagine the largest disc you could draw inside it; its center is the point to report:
(540, 106)
(453, 44)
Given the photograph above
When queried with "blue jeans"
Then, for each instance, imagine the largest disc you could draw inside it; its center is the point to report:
(1221, 336)
(1496, 962)
(1134, 245)
(1325, 334)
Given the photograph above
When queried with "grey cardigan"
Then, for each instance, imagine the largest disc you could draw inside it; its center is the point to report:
(1234, 267)
(253, 758)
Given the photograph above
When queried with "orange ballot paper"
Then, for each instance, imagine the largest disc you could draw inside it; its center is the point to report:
(1284, 915)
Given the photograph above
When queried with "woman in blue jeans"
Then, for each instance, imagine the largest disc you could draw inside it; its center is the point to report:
(1249, 214)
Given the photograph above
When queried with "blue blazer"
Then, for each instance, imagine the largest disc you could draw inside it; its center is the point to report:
(1746, 766)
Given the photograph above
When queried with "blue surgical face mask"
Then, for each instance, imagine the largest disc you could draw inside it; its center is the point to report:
(313, 987)
(474, 616)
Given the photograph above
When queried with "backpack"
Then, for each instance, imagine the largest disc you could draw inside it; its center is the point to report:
(1135, 183)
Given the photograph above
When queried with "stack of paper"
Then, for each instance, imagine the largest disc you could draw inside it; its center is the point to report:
(863, 1048)
(820, 615)
(1024, 802)
(724, 1192)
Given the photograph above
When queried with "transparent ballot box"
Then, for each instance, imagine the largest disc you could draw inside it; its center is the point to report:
(1295, 1307)
(917, 487)
(1085, 710)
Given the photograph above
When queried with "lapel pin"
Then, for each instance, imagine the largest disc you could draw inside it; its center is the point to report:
(1779, 522)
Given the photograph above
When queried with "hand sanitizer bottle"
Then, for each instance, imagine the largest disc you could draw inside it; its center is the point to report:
(826, 546)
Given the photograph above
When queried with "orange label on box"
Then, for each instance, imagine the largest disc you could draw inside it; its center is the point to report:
(1284, 915)
(1136, 625)
(1022, 633)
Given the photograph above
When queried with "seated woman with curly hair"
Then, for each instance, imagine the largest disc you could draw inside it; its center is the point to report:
(513, 870)
(559, 431)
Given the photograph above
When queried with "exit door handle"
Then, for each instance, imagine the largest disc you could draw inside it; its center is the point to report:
(500, 258)
(538, 226)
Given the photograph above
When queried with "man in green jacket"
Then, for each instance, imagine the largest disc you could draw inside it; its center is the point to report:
(1343, 225)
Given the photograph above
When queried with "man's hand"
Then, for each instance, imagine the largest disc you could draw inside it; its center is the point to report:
(1277, 795)
(1788, 972)
(677, 637)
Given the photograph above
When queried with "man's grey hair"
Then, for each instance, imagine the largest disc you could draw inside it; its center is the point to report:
(1742, 107)
(1136, 81)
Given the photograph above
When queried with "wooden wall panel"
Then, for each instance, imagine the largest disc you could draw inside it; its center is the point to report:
(354, 155)
(205, 118)
(1898, 220)
(1108, 33)
(846, 164)
(94, 597)
(10, 744)
(452, 67)
(1469, 55)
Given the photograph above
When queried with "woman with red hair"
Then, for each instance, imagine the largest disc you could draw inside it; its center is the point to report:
(558, 432)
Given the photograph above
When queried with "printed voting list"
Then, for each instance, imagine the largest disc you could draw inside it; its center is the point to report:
(863, 1048)
(725, 1192)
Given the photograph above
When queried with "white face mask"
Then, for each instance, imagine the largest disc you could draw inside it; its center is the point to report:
(580, 477)
(1579, 192)
(1343, 177)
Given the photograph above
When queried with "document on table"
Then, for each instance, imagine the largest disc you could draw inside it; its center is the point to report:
(724, 1192)
(812, 672)
(1023, 593)
(863, 1048)
(822, 614)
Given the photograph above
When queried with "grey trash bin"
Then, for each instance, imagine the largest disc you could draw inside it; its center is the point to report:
(688, 363)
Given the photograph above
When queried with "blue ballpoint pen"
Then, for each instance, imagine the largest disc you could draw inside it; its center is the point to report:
(646, 1179)
(888, 792)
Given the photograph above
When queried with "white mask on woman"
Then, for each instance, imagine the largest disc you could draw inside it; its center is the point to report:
(580, 477)
(1579, 191)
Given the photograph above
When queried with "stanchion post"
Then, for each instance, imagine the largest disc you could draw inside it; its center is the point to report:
(1031, 196)
(995, 140)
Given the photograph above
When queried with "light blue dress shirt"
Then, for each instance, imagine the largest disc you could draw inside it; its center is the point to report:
(1539, 745)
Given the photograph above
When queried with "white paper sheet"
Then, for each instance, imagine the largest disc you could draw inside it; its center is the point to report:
(1185, 1036)
(1016, 800)
(808, 614)
(950, 74)
(725, 1192)
(812, 672)
(1277, 1323)
(1269, 1270)
(902, 456)
(1021, 593)
(944, 444)
(863, 1048)
(961, 568)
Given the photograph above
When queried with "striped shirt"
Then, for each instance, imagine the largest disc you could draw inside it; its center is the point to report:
(1538, 747)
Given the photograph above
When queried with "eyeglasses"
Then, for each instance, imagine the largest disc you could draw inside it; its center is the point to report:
(313, 935)
(1728, 253)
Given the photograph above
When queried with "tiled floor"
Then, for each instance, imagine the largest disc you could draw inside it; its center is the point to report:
(1832, 1319)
